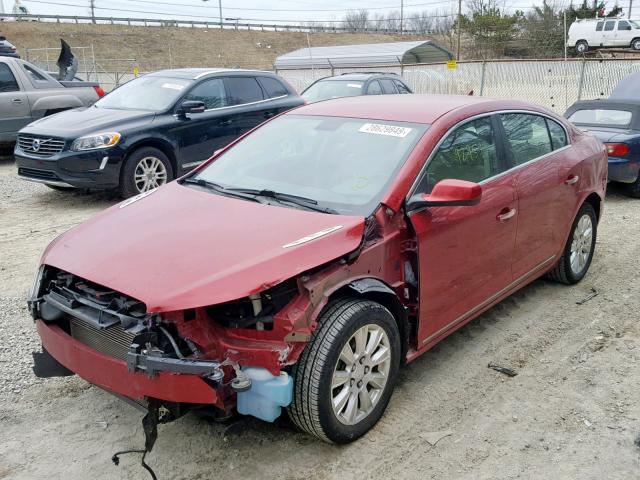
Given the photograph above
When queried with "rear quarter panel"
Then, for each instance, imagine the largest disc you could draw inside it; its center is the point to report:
(594, 165)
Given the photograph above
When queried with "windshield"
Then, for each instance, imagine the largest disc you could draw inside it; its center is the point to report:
(344, 164)
(633, 23)
(145, 93)
(323, 90)
(601, 116)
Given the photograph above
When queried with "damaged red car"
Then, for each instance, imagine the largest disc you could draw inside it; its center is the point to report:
(304, 263)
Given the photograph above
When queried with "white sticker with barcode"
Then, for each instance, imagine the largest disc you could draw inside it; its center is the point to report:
(354, 85)
(381, 129)
(172, 86)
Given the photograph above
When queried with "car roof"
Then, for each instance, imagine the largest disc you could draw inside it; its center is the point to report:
(406, 108)
(359, 76)
(195, 73)
(617, 104)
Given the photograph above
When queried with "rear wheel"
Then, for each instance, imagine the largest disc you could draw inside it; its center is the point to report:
(635, 44)
(345, 376)
(582, 46)
(578, 251)
(145, 169)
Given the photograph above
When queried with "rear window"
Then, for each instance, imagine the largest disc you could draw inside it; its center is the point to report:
(387, 86)
(401, 87)
(272, 87)
(243, 90)
(601, 116)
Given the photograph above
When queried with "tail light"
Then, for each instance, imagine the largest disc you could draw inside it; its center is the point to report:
(99, 91)
(617, 149)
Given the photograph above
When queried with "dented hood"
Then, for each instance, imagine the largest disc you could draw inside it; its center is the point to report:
(181, 247)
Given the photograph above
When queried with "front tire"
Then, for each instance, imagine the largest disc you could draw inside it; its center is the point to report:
(578, 251)
(582, 47)
(346, 374)
(635, 44)
(145, 169)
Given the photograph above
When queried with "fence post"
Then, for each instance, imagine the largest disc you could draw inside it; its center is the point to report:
(581, 80)
(484, 69)
(331, 65)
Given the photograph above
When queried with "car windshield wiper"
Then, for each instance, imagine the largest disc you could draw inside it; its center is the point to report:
(201, 182)
(305, 202)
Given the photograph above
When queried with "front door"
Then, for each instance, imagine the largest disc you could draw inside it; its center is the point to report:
(201, 134)
(465, 253)
(14, 104)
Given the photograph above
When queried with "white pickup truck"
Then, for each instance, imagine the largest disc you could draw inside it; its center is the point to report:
(28, 93)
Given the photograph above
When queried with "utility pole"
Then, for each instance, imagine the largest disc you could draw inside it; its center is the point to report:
(93, 10)
(402, 14)
(630, 7)
(220, 13)
(459, 28)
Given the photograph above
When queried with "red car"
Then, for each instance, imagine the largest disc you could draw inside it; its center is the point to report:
(304, 263)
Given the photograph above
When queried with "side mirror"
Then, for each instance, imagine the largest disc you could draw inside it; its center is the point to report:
(629, 27)
(191, 106)
(447, 193)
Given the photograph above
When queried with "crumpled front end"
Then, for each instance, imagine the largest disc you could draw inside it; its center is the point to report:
(208, 355)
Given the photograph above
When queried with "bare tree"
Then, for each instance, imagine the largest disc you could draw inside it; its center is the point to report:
(421, 22)
(356, 20)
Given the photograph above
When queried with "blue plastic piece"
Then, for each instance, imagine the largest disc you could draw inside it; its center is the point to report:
(267, 395)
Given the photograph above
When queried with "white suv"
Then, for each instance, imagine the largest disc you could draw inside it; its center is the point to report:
(604, 32)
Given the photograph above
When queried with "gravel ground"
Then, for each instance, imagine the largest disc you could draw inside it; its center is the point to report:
(572, 412)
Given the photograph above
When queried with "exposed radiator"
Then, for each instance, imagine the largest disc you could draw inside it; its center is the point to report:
(112, 341)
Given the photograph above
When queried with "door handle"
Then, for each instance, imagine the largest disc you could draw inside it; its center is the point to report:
(17, 100)
(225, 123)
(572, 180)
(506, 214)
(268, 114)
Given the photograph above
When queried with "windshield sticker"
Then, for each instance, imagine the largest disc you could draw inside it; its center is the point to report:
(380, 129)
(173, 86)
(354, 85)
(313, 236)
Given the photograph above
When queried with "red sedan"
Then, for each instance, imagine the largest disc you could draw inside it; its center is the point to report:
(304, 263)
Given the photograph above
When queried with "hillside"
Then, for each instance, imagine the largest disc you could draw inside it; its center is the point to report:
(153, 48)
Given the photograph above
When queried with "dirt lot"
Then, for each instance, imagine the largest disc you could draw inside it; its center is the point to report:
(572, 412)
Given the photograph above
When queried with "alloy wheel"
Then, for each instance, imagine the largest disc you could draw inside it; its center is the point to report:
(361, 374)
(150, 173)
(581, 244)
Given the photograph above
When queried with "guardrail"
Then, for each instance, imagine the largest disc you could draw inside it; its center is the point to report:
(147, 22)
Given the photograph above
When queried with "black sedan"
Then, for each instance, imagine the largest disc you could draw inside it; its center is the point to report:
(150, 130)
(617, 124)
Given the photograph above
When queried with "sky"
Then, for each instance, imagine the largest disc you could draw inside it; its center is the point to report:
(283, 11)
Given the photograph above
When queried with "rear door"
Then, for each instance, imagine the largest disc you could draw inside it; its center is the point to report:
(547, 179)
(465, 253)
(249, 107)
(608, 33)
(15, 112)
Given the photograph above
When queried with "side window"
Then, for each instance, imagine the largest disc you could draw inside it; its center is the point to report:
(374, 88)
(608, 26)
(243, 90)
(387, 86)
(272, 87)
(211, 92)
(527, 136)
(401, 87)
(33, 75)
(467, 153)
(7, 80)
(624, 25)
(557, 133)
(599, 26)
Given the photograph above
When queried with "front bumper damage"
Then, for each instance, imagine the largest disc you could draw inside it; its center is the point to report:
(110, 340)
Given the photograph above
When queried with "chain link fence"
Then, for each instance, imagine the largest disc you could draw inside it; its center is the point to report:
(555, 84)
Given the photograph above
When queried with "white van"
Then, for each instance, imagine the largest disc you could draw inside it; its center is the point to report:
(604, 32)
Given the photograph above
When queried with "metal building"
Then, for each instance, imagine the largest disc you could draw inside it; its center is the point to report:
(364, 55)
